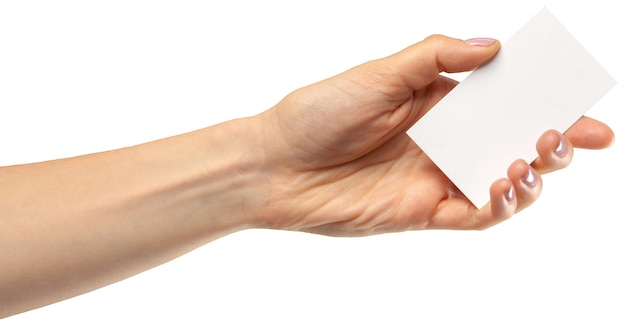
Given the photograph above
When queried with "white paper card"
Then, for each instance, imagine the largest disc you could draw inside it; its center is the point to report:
(541, 79)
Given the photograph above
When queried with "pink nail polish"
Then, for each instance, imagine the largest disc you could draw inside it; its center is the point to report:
(510, 194)
(561, 148)
(531, 178)
(480, 41)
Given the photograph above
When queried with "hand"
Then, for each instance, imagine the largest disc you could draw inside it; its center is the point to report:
(344, 166)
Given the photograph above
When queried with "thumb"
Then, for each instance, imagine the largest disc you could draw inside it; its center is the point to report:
(421, 63)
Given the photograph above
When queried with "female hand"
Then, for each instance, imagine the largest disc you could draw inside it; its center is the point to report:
(341, 164)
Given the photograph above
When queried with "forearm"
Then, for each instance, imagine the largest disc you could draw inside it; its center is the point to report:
(73, 225)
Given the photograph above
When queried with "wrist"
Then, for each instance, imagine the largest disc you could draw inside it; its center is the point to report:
(235, 177)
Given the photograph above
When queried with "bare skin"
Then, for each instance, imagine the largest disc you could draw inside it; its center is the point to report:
(331, 158)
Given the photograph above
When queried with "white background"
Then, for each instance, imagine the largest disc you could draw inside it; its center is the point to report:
(85, 76)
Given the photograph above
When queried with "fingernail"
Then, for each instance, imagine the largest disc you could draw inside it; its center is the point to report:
(561, 148)
(510, 194)
(480, 41)
(530, 178)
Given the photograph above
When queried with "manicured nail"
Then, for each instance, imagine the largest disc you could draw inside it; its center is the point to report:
(531, 177)
(480, 41)
(510, 194)
(561, 148)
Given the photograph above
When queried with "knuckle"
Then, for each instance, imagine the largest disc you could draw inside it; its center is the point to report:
(435, 38)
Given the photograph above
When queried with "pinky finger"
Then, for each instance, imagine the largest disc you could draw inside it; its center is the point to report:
(502, 205)
(503, 202)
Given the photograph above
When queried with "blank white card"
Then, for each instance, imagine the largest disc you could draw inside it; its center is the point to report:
(541, 79)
